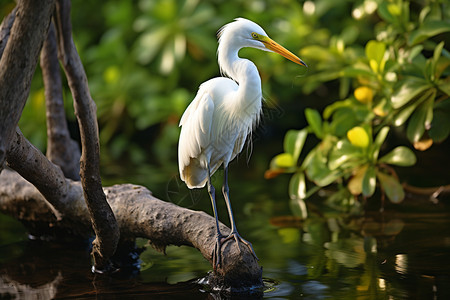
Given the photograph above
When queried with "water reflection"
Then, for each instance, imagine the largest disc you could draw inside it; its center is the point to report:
(393, 254)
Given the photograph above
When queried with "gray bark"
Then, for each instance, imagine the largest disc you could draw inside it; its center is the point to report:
(139, 214)
(18, 63)
(103, 220)
(61, 149)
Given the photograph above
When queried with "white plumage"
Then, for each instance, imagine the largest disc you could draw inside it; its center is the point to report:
(216, 124)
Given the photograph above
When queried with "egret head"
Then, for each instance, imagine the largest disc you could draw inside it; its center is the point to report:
(245, 33)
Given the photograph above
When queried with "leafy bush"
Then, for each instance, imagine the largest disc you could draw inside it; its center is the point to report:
(399, 79)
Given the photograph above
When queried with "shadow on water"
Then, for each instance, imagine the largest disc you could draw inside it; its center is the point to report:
(401, 253)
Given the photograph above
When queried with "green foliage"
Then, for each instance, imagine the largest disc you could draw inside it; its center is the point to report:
(400, 78)
(384, 62)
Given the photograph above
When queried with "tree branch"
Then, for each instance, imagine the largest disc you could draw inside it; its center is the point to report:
(61, 149)
(18, 63)
(139, 214)
(103, 220)
(5, 29)
(29, 162)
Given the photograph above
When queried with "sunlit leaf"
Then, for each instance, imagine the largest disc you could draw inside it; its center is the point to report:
(436, 54)
(408, 90)
(294, 141)
(314, 121)
(369, 182)
(330, 109)
(375, 53)
(428, 29)
(298, 208)
(382, 108)
(423, 144)
(355, 184)
(416, 125)
(379, 140)
(391, 187)
(363, 94)
(444, 86)
(318, 171)
(358, 137)
(297, 186)
(341, 153)
(284, 160)
(400, 156)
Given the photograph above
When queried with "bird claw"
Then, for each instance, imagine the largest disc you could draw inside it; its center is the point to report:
(221, 239)
(216, 252)
(238, 240)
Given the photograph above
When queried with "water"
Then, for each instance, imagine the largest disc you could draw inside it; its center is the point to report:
(402, 253)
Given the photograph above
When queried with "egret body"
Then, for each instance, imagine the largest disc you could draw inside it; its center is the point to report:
(216, 124)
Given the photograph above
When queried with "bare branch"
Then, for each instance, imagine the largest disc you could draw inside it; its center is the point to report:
(29, 162)
(61, 149)
(139, 214)
(103, 220)
(5, 29)
(18, 63)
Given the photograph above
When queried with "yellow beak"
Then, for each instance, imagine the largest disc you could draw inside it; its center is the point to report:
(275, 47)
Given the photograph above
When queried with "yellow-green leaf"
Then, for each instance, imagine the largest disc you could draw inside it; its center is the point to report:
(284, 160)
(358, 137)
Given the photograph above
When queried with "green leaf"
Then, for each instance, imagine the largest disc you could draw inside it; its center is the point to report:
(444, 87)
(357, 72)
(375, 52)
(428, 29)
(314, 121)
(317, 170)
(342, 153)
(391, 187)
(297, 186)
(369, 181)
(330, 109)
(416, 125)
(436, 54)
(400, 156)
(379, 140)
(344, 119)
(406, 112)
(294, 141)
(409, 89)
(384, 12)
(440, 126)
(283, 160)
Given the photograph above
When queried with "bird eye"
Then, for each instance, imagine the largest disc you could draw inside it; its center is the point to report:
(254, 35)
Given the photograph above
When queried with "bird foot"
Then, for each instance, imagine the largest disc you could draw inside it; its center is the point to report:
(238, 240)
(216, 252)
(217, 260)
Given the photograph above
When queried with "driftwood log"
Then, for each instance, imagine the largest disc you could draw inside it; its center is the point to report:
(44, 192)
(139, 214)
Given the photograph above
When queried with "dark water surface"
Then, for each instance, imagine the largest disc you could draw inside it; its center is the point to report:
(402, 253)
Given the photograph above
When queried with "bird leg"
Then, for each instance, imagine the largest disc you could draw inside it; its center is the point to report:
(219, 236)
(234, 233)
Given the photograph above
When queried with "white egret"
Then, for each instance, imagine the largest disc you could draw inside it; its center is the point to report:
(216, 124)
